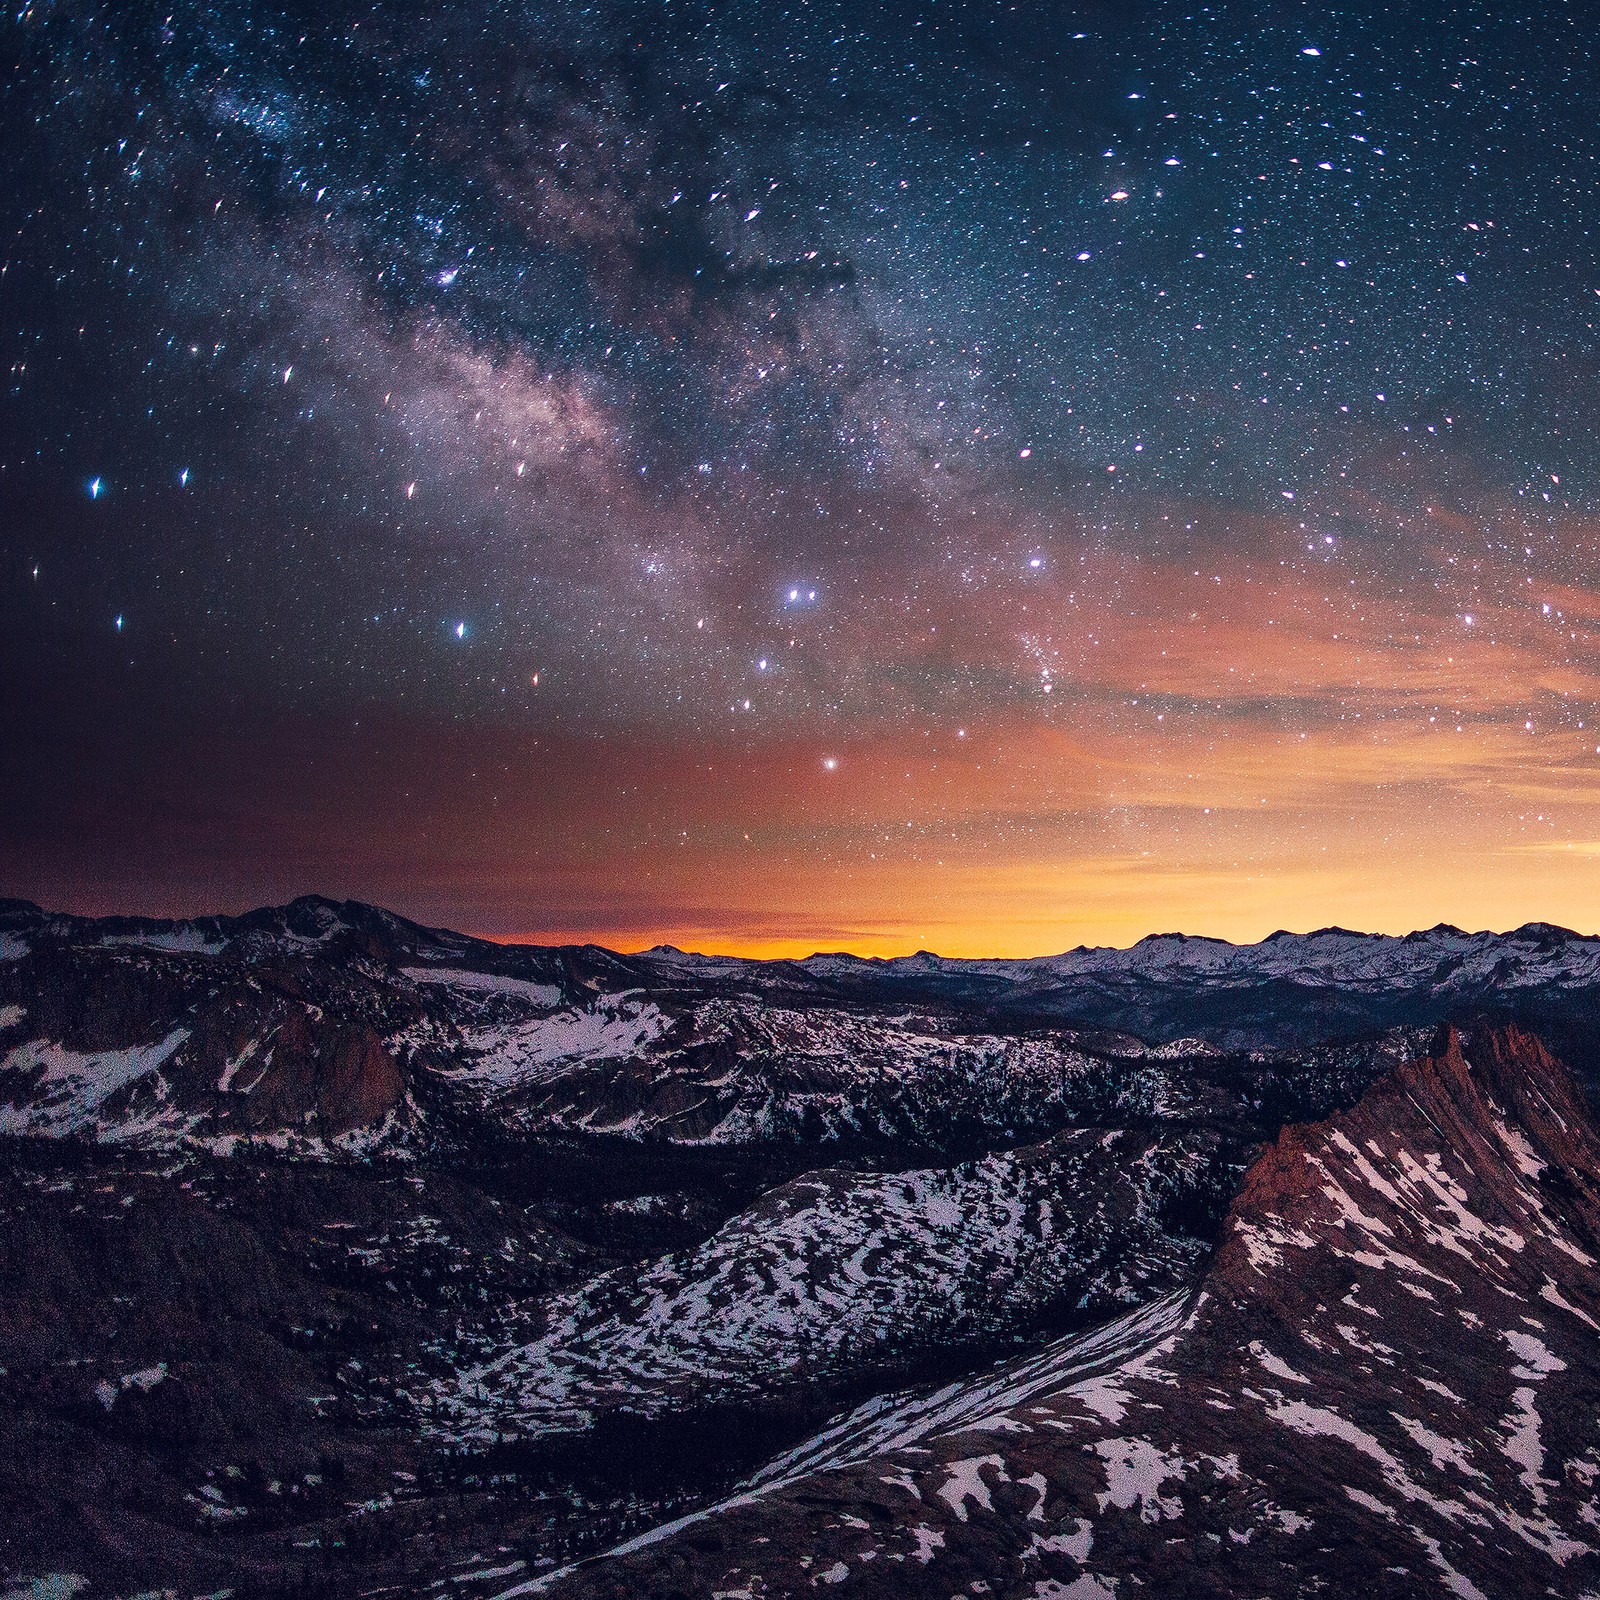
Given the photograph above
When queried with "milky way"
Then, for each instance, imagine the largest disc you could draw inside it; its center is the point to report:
(776, 474)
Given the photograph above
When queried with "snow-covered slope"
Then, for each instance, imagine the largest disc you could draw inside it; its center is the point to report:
(738, 1070)
(344, 1255)
(838, 1276)
(332, 1026)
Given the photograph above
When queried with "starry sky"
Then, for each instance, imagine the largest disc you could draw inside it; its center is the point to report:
(771, 476)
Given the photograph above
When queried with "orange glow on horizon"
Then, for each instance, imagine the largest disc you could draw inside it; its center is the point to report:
(1109, 904)
(1210, 746)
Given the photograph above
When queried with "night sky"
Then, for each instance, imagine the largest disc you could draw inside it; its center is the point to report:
(776, 476)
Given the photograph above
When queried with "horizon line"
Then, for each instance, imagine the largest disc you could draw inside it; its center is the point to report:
(567, 939)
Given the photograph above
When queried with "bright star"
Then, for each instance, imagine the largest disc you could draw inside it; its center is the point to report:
(94, 488)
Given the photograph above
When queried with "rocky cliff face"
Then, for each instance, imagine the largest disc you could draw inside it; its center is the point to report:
(1386, 1384)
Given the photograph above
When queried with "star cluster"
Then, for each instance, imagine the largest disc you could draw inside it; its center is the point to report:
(988, 474)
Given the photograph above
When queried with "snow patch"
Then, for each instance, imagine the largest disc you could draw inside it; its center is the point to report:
(1086, 1586)
(612, 1028)
(966, 1483)
(144, 1381)
(1135, 1473)
(52, 1586)
(70, 1087)
(541, 994)
(178, 941)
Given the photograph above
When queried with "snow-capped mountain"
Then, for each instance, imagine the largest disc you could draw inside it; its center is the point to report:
(339, 1254)
(340, 1027)
(1289, 988)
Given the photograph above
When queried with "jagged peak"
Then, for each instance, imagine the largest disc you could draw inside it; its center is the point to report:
(1487, 1066)
(1507, 1063)
(1470, 1079)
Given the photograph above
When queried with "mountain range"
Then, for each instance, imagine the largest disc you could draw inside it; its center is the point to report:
(344, 1255)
